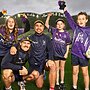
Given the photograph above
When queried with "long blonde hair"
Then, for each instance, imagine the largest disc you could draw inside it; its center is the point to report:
(15, 30)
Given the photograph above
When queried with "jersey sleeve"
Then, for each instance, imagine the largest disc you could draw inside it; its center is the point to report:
(70, 20)
(7, 63)
(51, 29)
(27, 24)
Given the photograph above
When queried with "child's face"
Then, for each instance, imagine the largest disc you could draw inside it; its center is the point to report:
(60, 25)
(82, 20)
(11, 23)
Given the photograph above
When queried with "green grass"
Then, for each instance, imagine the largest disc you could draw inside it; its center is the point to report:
(68, 80)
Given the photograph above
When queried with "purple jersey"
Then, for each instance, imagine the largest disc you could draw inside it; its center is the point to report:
(59, 40)
(5, 45)
(81, 37)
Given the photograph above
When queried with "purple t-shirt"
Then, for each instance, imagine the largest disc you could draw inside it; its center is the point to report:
(81, 37)
(59, 41)
(5, 46)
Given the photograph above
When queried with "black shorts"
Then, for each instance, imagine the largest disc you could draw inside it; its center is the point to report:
(59, 58)
(79, 61)
(17, 76)
(1, 57)
(40, 69)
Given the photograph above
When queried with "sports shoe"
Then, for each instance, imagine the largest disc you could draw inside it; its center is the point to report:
(21, 85)
(62, 86)
(57, 87)
(7, 89)
(73, 88)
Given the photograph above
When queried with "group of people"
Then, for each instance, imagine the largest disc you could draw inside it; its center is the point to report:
(42, 52)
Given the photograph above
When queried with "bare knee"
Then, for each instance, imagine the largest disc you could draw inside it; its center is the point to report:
(62, 68)
(35, 74)
(75, 72)
(85, 73)
(52, 68)
(7, 75)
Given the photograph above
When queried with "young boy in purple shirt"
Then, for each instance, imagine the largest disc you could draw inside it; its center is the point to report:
(80, 44)
(60, 42)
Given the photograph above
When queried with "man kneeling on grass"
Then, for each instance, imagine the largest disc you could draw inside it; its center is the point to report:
(13, 65)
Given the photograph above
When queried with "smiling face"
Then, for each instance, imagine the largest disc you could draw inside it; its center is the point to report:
(82, 19)
(39, 28)
(60, 25)
(10, 23)
(25, 45)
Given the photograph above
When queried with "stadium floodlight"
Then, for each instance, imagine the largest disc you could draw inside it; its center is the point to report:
(33, 15)
(18, 15)
(7, 17)
(37, 16)
(15, 17)
(56, 14)
(59, 14)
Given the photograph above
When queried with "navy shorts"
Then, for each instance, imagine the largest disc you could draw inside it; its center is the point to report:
(40, 69)
(79, 61)
(17, 76)
(59, 58)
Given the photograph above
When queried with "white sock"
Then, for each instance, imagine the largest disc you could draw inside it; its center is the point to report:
(57, 83)
(62, 82)
(10, 88)
(86, 88)
(75, 87)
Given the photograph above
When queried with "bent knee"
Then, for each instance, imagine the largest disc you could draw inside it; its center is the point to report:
(53, 68)
(75, 72)
(85, 74)
(35, 74)
(62, 68)
(6, 73)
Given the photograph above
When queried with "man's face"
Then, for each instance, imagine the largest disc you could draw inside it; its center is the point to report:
(11, 23)
(25, 45)
(39, 28)
(82, 20)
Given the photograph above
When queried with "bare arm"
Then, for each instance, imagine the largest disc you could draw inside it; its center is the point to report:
(67, 51)
(47, 20)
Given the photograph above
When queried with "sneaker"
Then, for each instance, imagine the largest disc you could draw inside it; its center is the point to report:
(62, 86)
(21, 85)
(7, 89)
(73, 88)
(57, 87)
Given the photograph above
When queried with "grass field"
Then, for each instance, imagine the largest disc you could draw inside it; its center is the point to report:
(68, 80)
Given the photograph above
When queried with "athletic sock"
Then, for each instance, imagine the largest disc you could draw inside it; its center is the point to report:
(75, 87)
(51, 88)
(10, 88)
(86, 88)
